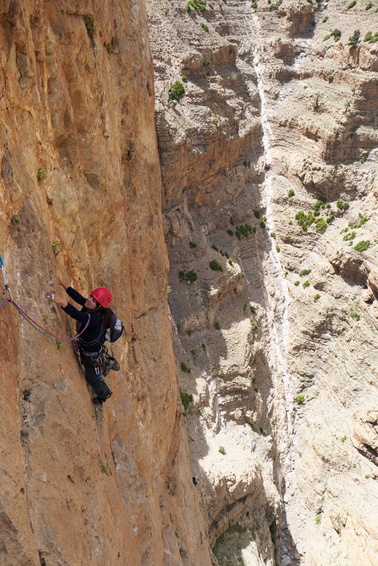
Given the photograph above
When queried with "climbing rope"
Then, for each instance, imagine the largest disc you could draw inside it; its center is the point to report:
(40, 328)
(28, 319)
(4, 302)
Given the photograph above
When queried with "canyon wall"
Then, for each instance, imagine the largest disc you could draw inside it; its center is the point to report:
(81, 200)
(262, 182)
(267, 124)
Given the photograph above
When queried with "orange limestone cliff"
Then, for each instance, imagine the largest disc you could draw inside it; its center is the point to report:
(81, 200)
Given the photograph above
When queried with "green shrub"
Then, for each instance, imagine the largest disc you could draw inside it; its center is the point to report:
(176, 91)
(352, 4)
(306, 284)
(370, 38)
(290, 193)
(215, 248)
(368, 6)
(354, 38)
(296, 283)
(362, 246)
(222, 450)
(350, 236)
(304, 220)
(215, 266)
(316, 297)
(232, 221)
(304, 272)
(41, 174)
(243, 230)
(185, 399)
(185, 368)
(231, 232)
(254, 325)
(89, 22)
(188, 276)
(361, 222)
(336, 33)
(257, 214)
(321, 225)
(104, 467)
(318, 519)
(364, 158)
(276, 5)
(217, 325)
(300, 399)
(326, 37)
(192, 244)
(342, 205)
(204, 26)
(319, 204)
(199, 5)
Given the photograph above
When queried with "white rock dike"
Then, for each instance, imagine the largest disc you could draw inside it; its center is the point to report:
(277, 302)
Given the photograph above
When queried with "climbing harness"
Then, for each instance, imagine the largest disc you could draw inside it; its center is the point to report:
(28, 319)
(96, 359)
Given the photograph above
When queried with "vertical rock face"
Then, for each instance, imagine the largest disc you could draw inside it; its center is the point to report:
(269, 161)
(81, 199)
(267, 138)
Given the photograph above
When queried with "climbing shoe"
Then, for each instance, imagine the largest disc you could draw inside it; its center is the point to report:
(111, 364)
(101, 400)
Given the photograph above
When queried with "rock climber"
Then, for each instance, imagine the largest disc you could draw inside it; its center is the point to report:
(92, 351)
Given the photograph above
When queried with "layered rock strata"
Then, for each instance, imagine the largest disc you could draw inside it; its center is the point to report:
(269, 165)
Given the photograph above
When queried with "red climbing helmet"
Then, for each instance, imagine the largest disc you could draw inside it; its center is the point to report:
(102, 296)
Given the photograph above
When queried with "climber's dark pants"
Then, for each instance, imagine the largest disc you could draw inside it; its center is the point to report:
(98, 384)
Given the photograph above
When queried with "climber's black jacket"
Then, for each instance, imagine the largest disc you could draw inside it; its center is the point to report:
(93, 338)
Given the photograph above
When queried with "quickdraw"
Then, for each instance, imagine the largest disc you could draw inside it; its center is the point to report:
(28, 319)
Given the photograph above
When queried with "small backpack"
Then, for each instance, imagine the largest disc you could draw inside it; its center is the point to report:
(115, 331)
